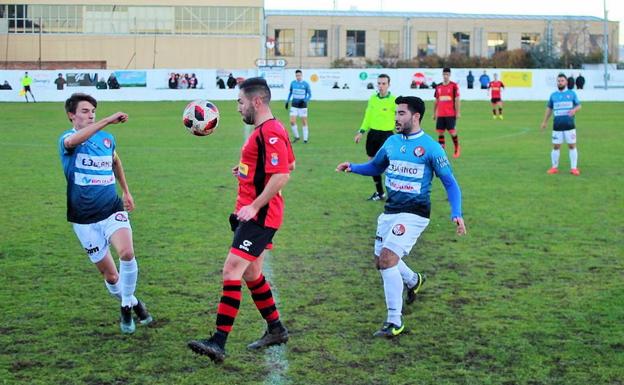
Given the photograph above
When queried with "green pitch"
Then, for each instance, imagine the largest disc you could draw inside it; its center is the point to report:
(534, 294)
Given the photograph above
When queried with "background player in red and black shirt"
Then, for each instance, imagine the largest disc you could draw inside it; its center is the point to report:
(496, 87)
(446, 110)
(264, 169)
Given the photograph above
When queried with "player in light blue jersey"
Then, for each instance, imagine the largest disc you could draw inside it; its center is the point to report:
(99, 217)
(563, 104)
(301, 94)
(410, 159)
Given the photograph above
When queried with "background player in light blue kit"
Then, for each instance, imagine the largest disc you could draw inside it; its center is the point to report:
(99, 217)
(409, 159)
(564, 104)
(301, 94)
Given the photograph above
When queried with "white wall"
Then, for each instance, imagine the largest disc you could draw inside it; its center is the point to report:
(521, 84)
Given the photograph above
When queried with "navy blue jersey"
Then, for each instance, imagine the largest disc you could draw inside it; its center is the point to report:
(88, 168)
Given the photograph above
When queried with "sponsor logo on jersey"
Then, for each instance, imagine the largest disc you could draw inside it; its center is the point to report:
(419, 151)
(107, 143)
(403, 186)
(445, 98)
(121, 217)
(273, 140)
(93, 180)
(442, 161)
(243, 170)
(92, 250)
(274, 159)
(245, 245)
(398, 230)
(379, 238)
(406, 169)
(403, 149)
(87, 162)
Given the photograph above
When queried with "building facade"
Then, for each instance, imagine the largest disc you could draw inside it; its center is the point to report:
(133, 34)
(315, 39)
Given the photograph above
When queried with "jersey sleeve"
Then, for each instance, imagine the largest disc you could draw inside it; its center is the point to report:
(308, 92)
(278, 152)
(456, 89)
(381, 160)
(290, 89)
(550, 103)
(576, 100)
(439, 161)
(61, 144)
(366, 122)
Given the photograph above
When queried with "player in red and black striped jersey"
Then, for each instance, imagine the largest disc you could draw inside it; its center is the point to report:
(496, 87)
(446, 110)
(264, 169)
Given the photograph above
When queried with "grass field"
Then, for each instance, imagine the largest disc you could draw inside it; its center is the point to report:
(534, 294)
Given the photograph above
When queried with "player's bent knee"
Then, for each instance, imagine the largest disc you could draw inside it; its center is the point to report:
(126, 253)
(111, 277)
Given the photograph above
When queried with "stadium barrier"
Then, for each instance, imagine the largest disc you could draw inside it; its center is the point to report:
(326, 84)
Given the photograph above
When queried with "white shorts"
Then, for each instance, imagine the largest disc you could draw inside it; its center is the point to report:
(398, 232)
(568, 135)
(95, 237)
(300, 112)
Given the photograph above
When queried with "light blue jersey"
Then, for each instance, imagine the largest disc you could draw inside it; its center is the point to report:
(88, 168)
(561, 102)
(300, 92)
(410, 162)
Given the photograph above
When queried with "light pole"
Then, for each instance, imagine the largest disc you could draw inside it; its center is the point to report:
(605, 48)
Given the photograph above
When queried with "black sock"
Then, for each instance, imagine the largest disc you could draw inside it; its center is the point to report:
(220, 338)
(378, 184)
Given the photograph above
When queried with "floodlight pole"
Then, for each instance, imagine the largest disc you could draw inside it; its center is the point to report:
(605, 49)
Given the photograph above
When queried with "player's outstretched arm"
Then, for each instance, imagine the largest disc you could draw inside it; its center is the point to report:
(344, 167)
(82, 135)
(120, 175)
(453, 193)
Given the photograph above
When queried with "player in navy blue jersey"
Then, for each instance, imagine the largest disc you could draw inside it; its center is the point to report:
(301, 94)
(98, 215)
(410, 159)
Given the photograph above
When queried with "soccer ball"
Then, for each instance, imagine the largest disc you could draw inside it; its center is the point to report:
(200, 117)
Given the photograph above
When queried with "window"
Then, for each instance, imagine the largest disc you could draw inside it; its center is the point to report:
(356, 43)
(496, 42)
(427, 43)
(460, 43)
(318, 42)
(284, 42)
(596, 43)
(388, 44)
(529, 40)
(130, 19)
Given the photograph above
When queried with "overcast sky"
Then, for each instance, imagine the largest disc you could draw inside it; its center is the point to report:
(513, 7)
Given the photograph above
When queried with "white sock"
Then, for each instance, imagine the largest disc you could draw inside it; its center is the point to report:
(128, 272)
(295, 130)
(305, 133)
(573, 157)
(409, 277)
(554, 157)
(113, 289)
(393, 289)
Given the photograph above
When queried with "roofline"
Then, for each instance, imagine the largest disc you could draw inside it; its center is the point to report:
(437, 15)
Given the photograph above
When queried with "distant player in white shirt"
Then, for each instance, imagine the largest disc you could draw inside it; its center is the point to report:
(99, 217)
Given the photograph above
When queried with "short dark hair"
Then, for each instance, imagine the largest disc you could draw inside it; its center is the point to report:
(256, 86)
(414, 104)
(446, 69)
(384, 76)
(562, 75)
(71, 104)
(298, 72)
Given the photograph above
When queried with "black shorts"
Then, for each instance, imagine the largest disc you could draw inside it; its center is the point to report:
(495, 100)
(250, 239)
(375, 139)
(27, 89)
(445, 123)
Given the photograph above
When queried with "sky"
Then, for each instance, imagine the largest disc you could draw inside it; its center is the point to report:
(512, 7)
